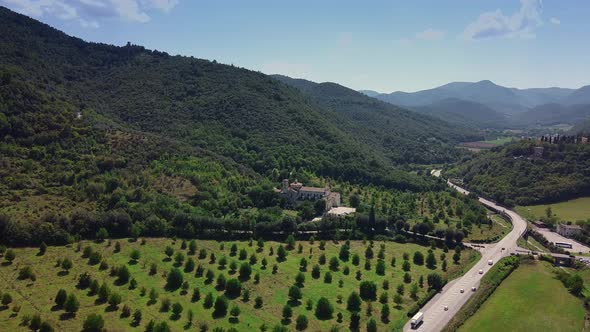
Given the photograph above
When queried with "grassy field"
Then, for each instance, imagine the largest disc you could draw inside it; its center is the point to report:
(530, 299)
(572, 210)
(531, 244)
(37, 297)
(499, 227)
(499, 141)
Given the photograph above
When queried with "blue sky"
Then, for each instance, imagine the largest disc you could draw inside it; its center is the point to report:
(381, 45)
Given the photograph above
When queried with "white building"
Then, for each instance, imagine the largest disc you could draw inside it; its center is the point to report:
(568, 230)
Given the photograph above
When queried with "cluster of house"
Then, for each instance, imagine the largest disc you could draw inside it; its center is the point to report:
(296, 193)
(555, 139)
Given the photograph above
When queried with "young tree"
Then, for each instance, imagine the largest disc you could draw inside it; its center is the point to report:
(301, 323)
(177, 309)
(322, 259)
(430, 260)
(220, 307)
(137, 317)
(179, 258)
(153, 295)
(324, 309)
(114, 300)
(169, 251)
(102, 234)
(103, 293)
(353, 304)
(397, 299)
(418, 258)
(344, 253)
(287, 312)
(66, 264)
(258, 302)
(380, 267)
(334, 263)
(315, 272)
(406, 266)
(281, 253)
(414, 291)
(245, 271)
(42, 248)
(371, 325)
(243, 254)
(208, 301)
(233, 288)
(295, 294)
(174, 279)
(93, 323)
(123, 275)
(435, 281)
(71, 305)
(192, 247)
(196, 295)
(368, 291)
(328, 277)
(189, 266)
(235, 312)
(385, 313)
(61, 297)
(290, 242)
(300, 279)
(135, 255)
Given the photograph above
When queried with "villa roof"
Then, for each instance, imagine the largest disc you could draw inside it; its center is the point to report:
(313, 189)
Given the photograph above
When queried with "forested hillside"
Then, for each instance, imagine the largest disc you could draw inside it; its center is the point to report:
(142, 143)
(401, 135)
(513, 175)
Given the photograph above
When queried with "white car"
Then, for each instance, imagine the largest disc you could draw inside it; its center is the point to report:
(480, 271)
(473, 289)
(446, 308)
(462, 290)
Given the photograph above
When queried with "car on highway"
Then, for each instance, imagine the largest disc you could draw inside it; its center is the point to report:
(473, 289)
(446, 308)
(462, 290)
(480, 271)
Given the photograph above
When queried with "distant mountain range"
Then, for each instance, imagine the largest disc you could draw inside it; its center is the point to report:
(486, 104)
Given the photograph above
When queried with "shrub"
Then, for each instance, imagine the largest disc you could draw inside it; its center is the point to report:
(208, 301)
(371, 325)
(135, 255)
(177, 309)
(287, 312)
(328, 277)
(42, 248)
(123, 275)
(196, 295)
(281, 253)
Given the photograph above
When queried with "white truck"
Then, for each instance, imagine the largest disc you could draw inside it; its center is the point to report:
(417, 319)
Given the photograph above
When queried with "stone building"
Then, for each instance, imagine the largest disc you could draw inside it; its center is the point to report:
(568, 230)
(296, 193)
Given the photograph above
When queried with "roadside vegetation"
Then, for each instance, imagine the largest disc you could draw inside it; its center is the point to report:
(532, 298)
(244, 285)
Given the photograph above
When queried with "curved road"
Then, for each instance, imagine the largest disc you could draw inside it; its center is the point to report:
(435, 317)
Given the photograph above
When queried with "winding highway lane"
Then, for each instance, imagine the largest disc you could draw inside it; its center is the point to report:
(435, 317)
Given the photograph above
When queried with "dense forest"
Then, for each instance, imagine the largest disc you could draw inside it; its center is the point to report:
(138, 142)
(514, 175)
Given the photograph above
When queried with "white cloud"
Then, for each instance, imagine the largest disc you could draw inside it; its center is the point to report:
(296, 70)
(518, 25)
(89, 13)
(430, 34)
(555, 21)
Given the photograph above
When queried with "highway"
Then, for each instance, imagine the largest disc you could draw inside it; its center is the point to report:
(435, 317)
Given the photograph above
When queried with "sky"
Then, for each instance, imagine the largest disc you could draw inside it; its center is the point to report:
(405, 45)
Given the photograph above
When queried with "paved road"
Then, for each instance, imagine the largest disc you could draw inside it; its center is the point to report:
(435, 317)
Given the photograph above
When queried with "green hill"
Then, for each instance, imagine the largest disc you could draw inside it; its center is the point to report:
(512, 174)
(402, 136)
(132, 140)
